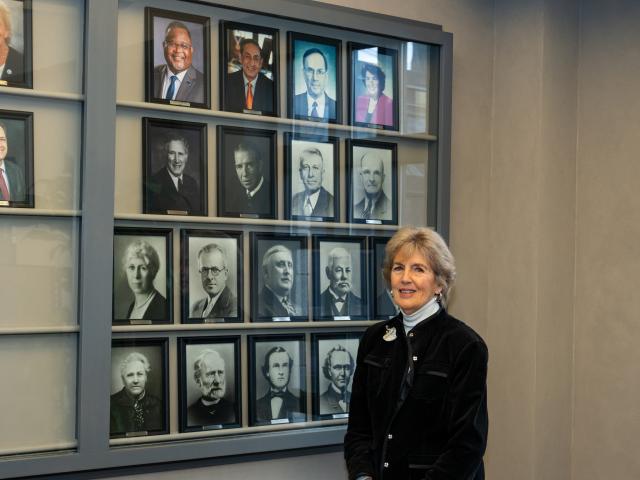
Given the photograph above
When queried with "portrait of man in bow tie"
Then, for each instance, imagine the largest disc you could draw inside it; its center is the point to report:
(338, 368)
(338, 299)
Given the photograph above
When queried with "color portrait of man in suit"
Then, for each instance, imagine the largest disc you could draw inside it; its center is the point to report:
(178, 79)
(249, 89)
(278, 402)
(11, 60)
(338, 300)
(251, 194)
(314, 200)
(13, 187)
(314, 103)
(211, 408)
(170, 189)
(274, 299)
(375, 204)
(338, 368)
(214, 273)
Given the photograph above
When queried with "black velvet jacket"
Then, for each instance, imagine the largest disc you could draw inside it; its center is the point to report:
(419, 402)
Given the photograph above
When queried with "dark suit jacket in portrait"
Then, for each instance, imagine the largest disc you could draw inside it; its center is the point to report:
(262, 93)
(191, 89)
(17, 184)
(330, 401)
(385, 305)
(219, 413)
(301, 107)
(352, 306)
(123, 416)
(13, 72)
(237, 200)
(226, 306)
(381, 209)
(163, 195)
(270, 306)
(292, 407)
(156, 310)
(323, 208)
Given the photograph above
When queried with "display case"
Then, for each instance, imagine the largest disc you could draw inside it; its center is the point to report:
(208, 191)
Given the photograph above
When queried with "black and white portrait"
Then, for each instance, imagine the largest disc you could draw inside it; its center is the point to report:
(312, 178)
(175, 167)
(138, 387)
(211, 286)
(279, 277)
(210, 383)
(177, 49)
(340, 278)
(15, 43)
(384, 307)
(278, 374)
(16, 159)
(142, 276)
(373, 186)
(334, 358)
(247, 173)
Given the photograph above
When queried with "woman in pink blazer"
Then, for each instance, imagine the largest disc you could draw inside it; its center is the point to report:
(374, 107)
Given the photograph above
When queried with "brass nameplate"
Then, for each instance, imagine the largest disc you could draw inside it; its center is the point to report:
(179, 103)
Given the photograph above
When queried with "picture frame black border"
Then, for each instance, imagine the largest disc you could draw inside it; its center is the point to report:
(316, 368)
(256, 270)
(183, 342)
(167, 233)
(349, 144)
(149, 14)
(147, 172)
(223, 174)
(351, 72)
(288, 137)
(226, 25)
(292, 37)
(163, 344)
(185, 234)
(318, 270)
(28, 167)
(252, 340)
(27, 53)
(374, 241)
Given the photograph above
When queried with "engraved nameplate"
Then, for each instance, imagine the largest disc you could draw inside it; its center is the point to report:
(179, 103)
(279, 420)
(281, 319)
(342, 317)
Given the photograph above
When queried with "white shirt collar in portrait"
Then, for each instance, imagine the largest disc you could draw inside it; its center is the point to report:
(252, 193)
(3, 172)
(167, 82)
(174, 179)
(210, 304)
(319, 101)
(313, 198)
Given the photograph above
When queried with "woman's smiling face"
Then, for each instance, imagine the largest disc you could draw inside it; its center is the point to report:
(413, 283)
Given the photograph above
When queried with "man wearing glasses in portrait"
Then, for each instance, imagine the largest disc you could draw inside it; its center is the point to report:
(315, 103)
(219, 302)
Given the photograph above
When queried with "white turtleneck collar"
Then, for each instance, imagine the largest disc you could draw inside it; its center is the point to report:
(427, 310)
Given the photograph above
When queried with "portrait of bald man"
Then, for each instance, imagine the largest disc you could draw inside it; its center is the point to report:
(314, 200)
(375, 203)
(338, 299)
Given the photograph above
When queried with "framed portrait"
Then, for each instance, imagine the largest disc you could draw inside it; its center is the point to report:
(333, 364)
(383, 307)
(314, 78)
(211, 276)
(209, 373)
(139, 392)
(372, 182)
(177, 58)
(249, 69)
(15, 23)
(16, 159)
(312, 173)
(175, 167)
(277, 379)
(279, 277)
(247, 180)
(142, 276)
(373, 86)
(340, 277)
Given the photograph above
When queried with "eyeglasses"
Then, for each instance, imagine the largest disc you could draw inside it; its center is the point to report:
(310, 71)
(175, 45)
(215, 271)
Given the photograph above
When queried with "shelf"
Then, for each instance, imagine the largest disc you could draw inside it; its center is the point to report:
(39, 330)
(179, 327)
(28, 92)
(42, 448)
(39, 212)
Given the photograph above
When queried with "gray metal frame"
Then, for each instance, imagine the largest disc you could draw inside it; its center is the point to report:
(97, 221)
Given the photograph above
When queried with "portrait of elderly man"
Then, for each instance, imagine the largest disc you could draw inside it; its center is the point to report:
(274, 299)
(211, 408)
(314, 102)
(177, 78)
(338, 299)
(171, 189)
(278, 402)
(249, 88)
(219, 302)
(134, 409)
(12, 183)
(375, 204)
(337, 368)
(314, 200)
(250, 194)
(11, 60)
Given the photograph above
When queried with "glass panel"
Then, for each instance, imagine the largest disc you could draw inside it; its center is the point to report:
(415, 86)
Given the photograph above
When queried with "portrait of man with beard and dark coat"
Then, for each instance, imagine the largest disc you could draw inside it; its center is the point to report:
(337, 368)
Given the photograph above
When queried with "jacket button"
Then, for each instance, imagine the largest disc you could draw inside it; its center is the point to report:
(415, 358)
(390, 436)
(412, 334)
(386, 465)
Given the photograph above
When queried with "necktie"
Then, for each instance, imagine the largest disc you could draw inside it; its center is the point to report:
(308, 209)
(287, 305)
(249, 96)
(180, 184)
(3, 187)
(172, 88)
(367, 211)
(314, 109)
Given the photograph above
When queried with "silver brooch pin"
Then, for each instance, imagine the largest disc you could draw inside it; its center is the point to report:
(390, 334)
(9, 71)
